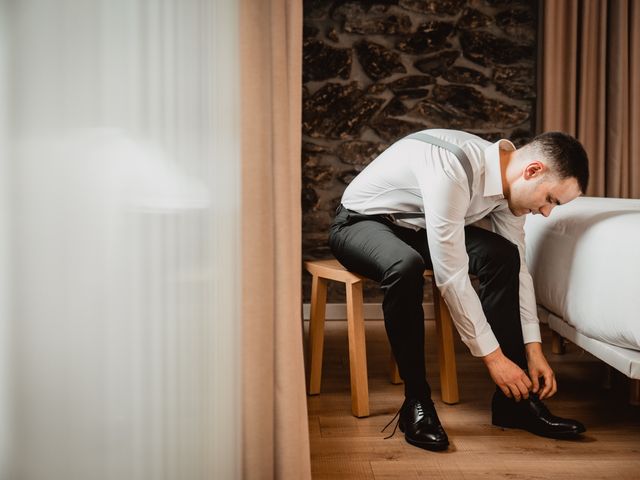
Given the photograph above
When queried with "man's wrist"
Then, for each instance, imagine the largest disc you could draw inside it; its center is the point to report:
(533, 348)
(493, 356)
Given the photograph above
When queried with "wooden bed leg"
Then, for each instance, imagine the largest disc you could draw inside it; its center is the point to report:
(634, 397)
(607, 380)
(557, 343)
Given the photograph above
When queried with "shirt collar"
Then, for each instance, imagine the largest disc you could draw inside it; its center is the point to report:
(493, 175)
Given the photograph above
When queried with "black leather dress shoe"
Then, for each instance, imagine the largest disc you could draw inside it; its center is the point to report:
(421, 425)
(532, 415)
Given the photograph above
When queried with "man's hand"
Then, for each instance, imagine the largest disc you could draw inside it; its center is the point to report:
(539, 367)
(508, 376)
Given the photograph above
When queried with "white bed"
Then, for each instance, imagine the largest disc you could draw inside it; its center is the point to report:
(585, 263)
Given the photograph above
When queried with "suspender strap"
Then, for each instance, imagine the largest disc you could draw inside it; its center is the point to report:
(455, 149)
(457, 152)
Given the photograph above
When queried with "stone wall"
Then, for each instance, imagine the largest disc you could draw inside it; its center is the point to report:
(374, 71)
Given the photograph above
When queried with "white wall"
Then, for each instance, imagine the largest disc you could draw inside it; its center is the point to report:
(125, 190)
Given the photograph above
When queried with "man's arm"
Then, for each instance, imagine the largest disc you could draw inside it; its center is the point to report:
(445, 195)
(512, 228)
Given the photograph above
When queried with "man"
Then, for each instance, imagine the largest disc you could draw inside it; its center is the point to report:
(413, 208)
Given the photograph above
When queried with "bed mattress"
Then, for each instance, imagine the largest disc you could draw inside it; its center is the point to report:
(585, 263)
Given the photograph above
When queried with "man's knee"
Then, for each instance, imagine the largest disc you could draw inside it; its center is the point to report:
(407, 269)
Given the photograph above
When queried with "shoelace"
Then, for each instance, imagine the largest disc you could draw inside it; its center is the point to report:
(420, 412)
(394, 428)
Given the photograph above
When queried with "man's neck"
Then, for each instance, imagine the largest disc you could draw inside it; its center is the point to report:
(506, 157)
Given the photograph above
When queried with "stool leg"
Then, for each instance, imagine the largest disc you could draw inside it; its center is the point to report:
(316, 332)
(446, 353)
(393, 370)
(357, 351)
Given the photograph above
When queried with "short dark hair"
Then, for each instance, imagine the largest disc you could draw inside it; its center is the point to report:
(567, 155)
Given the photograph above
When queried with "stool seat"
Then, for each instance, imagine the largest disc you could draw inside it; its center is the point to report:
(330, 269)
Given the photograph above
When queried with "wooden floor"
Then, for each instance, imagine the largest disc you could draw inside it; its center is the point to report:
(344, 447)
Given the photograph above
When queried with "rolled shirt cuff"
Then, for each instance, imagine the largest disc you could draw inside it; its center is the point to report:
(531, 333)
(482, 345)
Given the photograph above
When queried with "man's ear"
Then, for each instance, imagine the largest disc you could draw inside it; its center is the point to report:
(533, 170)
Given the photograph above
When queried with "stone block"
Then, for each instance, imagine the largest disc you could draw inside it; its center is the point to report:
(392, 129)
(472, 19)
(395, 108)
(465, 75)
(486, 49)
(463, 107)
(518, 24)
(322, 62)
(429, 37)
(337, 111)
(378, 61)
(411, 86)
(358, 152)
(437, 63)
(378, 25)
(435, 7)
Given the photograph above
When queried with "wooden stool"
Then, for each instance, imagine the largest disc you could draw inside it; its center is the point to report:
(323, 270)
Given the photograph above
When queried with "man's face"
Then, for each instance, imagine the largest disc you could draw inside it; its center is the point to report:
(538, 191)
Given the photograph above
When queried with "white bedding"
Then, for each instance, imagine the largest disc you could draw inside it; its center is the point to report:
(625, 360)
(585, 263)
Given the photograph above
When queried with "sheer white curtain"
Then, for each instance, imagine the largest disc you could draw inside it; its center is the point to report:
(123, 173)
(5, 294)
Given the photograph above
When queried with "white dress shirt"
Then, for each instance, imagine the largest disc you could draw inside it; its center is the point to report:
(414, 176)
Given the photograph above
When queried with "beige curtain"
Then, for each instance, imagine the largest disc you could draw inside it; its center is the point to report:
(275, 428)
(590, 85)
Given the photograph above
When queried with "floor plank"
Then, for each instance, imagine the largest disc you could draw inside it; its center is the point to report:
(343, 446)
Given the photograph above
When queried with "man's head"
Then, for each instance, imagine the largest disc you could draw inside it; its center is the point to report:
(550, 170)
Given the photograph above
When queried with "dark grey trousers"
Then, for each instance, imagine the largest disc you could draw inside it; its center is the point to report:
(396, 257)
